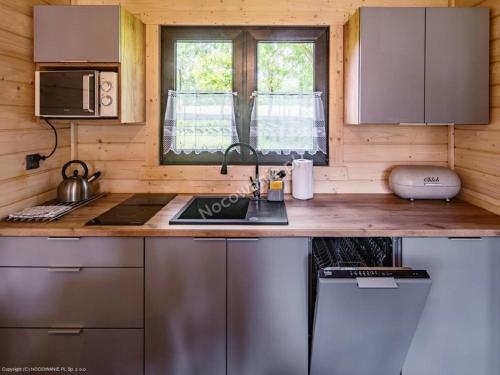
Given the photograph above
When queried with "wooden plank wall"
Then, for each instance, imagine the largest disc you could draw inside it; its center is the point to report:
(477, 147)
(360, 157)
(20, 133)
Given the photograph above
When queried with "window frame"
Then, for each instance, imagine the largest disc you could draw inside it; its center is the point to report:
(245, 40)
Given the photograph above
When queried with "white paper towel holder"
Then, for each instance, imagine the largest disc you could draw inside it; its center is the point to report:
(302, 179)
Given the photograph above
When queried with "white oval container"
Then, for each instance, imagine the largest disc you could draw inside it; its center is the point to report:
(424, 182)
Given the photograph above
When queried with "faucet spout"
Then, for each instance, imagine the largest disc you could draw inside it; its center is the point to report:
(256, 181)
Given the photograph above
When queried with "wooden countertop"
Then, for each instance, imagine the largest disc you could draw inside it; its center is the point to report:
(325, 215)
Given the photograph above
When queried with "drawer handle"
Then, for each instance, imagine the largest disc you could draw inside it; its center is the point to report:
(242, 239)
(74, 331)
(465, 238)
(208, 239)
(64, 269)
(63, 238)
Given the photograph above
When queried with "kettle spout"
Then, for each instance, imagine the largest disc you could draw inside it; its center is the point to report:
(94, 177)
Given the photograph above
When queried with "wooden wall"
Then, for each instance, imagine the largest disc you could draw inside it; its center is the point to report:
(20, 133)
(360, 156)
(477, 148)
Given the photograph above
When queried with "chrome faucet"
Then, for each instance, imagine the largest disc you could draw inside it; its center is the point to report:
(255, 183)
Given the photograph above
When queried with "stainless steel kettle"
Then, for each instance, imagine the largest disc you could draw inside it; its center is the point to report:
(76, 188)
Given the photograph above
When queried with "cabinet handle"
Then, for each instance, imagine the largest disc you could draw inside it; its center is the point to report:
(465, 238)
(413, 123)
(63, 238)
(208, 239)
(64, 269)
(73, 331)
(242, 239)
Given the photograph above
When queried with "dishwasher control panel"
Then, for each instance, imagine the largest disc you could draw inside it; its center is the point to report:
(355, 273)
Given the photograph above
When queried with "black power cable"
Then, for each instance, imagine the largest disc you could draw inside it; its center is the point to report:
(43, 157)
(33, 160)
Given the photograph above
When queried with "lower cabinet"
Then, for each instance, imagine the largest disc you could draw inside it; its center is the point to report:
(267, 309)
(459, 331)
(235, 306)
(91, 351)
(72, 305)
(185, 306)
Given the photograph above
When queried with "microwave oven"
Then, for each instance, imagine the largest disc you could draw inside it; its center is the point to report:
(76, 94)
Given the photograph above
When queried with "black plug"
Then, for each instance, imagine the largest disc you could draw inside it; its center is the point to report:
(33, 161)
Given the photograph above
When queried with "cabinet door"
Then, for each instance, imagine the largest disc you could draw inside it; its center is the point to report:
(457, 65)
(267, 309)
(185, 306)
(392, 42)
(77, 33)
(459, 331)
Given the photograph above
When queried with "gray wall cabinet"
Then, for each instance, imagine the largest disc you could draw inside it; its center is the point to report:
(457, 65)
(392, 50)
(459, 331)
(417, 65)
(267, 321)
(185, 306)
(88, 33)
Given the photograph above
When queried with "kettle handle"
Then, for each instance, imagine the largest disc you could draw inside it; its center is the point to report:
(85, 168)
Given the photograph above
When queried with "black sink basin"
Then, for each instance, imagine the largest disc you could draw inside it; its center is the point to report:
(231, 210)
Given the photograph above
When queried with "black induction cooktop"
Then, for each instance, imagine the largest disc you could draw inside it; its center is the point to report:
(136, 210)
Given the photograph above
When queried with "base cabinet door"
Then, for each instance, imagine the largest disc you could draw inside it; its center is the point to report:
(459, 331)
(267, 309)
(185, 306)
(63, 351)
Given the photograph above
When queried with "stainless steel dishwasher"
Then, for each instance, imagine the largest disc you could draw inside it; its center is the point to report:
(364, 317)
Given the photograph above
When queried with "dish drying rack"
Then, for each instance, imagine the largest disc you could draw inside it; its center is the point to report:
(59, 209)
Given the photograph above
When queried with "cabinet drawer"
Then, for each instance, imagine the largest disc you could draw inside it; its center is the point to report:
(74, 297)
(98, 351)
(74, 251)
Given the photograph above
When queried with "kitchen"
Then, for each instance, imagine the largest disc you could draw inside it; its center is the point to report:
(391, 89)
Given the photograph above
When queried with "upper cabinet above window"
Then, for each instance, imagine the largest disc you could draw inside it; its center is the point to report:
(417, 66)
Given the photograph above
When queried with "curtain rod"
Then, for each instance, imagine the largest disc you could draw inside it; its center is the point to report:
(174, 92)
(316, 93)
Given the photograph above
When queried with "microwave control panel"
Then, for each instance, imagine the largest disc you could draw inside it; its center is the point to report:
(108, 94)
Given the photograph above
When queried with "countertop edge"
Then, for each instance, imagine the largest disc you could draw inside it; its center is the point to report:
(239, 233)
(327, 215)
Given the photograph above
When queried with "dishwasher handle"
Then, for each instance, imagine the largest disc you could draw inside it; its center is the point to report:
(376, 283)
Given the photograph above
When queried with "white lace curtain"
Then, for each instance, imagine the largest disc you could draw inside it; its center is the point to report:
(284, 123)
(198, 122)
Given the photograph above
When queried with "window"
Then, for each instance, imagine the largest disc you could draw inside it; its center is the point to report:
(263, 86)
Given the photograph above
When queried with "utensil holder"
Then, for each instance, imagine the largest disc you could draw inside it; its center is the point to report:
(276, 195)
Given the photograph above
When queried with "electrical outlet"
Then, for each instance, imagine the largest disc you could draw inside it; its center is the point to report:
(33, 161)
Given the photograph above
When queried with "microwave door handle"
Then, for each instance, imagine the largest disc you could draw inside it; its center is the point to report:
(86, 92)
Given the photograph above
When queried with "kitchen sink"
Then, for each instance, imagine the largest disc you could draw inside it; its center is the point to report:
(231, 210)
